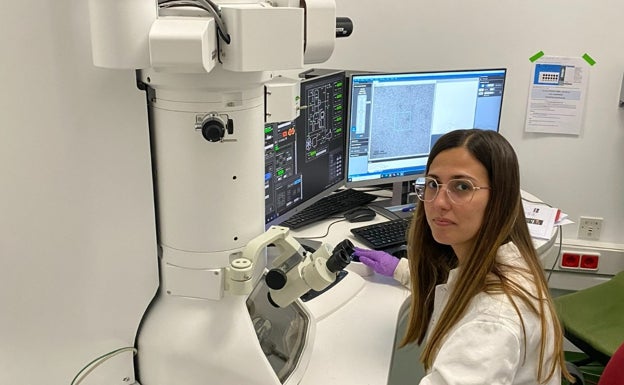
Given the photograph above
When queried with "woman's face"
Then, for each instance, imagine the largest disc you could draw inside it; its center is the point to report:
(454, 224)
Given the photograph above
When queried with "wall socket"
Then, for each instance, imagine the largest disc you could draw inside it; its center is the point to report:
(589, 228)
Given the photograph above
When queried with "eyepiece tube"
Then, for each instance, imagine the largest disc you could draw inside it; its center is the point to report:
(341, 256)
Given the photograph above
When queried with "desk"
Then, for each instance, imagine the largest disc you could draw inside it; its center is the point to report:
(355, 340)
(354, 344)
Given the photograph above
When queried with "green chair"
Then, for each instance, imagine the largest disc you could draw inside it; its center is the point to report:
(593, 319)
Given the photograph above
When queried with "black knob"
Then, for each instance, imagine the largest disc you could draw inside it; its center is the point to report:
(344, 27)
(213, 130)
(275, 279)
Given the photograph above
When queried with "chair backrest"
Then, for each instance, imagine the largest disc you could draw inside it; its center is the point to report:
(613, 373)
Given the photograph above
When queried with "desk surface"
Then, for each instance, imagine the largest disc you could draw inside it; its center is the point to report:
(354, 344)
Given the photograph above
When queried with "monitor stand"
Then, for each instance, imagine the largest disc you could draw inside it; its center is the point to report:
(399, 196)
(398, 205)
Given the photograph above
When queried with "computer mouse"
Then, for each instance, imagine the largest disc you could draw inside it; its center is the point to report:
(360, 214)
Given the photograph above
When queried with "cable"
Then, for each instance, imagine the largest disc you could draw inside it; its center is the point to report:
(216, 12)
(202, 4)
(326, 232)
(552, 268)
(207, 6)
(87, 369)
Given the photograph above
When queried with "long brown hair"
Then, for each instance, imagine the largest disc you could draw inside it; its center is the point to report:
(504, 221)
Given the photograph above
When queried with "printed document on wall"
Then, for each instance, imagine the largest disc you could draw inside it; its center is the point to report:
(557, 95)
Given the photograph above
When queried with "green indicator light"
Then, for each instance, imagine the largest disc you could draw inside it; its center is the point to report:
(267, 130)
(338, 131)
(313, 153)
(339, 96)
(338, 108)
(338, 119)
(280, 172)
(276, 148)
(339, 84)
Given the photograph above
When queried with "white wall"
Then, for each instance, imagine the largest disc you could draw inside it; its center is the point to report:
(78, 260)
(77, 239)
(582, 175)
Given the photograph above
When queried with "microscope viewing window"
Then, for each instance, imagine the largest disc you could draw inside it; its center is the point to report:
(281, 332)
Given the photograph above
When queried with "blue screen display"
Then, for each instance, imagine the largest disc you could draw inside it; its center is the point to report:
(395, 118)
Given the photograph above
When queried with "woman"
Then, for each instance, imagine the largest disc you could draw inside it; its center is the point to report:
(480, 302)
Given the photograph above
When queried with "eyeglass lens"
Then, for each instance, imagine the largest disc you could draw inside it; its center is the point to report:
(458, 190)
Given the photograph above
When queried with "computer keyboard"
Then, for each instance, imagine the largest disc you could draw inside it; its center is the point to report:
(338, 202)
(383, 235)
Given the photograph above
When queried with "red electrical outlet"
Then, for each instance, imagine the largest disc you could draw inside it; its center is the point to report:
(570, 260)
(590, 261)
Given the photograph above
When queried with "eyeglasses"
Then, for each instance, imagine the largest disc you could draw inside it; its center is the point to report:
(459, 191)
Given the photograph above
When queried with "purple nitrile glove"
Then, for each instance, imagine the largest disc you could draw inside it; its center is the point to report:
(380, 261)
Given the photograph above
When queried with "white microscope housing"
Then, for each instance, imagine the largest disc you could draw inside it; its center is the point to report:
(206, 67)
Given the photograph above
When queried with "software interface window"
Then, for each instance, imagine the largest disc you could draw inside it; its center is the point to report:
(305, 159)
(396, 118)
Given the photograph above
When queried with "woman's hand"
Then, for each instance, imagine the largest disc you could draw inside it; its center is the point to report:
(380, 261)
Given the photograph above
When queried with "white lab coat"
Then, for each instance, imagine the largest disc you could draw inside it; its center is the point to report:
(402, 273)
(487, 345)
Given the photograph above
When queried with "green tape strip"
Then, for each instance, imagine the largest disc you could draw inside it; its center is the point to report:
(536, 56)
(589, 59)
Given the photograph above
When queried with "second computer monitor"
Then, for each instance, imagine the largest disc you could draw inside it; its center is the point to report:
(395, 118)
(305, 159)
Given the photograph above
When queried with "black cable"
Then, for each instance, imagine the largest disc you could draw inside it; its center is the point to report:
(219, 51)
(327, 232)
(206, 6)
(216, 12)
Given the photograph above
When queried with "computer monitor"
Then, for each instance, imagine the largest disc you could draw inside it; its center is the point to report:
(395, 118)
(305, 159)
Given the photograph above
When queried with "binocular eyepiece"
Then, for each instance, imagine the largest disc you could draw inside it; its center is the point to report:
(341, 256)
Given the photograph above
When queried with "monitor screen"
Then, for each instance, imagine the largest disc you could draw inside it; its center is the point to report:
(395, 118)
(305, 159)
